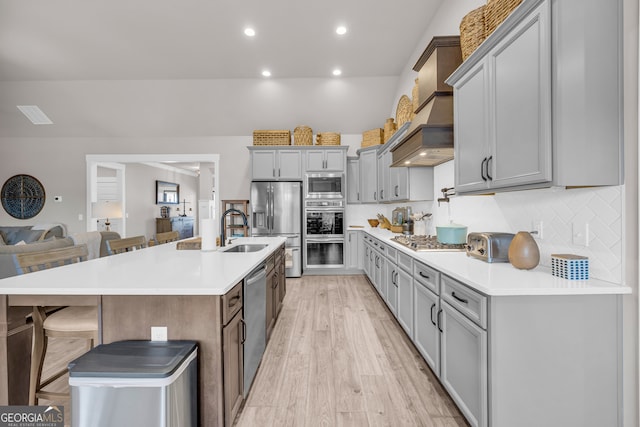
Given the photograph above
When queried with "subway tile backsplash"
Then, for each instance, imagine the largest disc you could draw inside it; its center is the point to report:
(565, 215)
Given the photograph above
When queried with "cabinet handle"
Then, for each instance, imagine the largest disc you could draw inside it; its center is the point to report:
(431, 316)
(349, 237)
(377, 259)
(382, 194)
(484, 161)
(489, 161)
(396, 191)
(439, 323)
(358, 196)
(233, 301)
(244, 331)
(274, 172)
(462, 300)
(393, 277)
(278, 172)
(395, 282)
(375, 195)
(422, 275)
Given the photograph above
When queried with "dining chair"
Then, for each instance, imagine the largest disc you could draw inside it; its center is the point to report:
(68, 322)
(127, 244)
(169, 236)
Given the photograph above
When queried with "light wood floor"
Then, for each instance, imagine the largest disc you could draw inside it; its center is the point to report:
(338, 357)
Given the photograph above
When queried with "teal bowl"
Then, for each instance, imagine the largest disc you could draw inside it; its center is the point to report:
(452, 233)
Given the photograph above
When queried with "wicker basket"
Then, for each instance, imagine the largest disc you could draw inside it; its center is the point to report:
(497, 11)
(271, 137)
(328, 138)
(303, 135)
(389, 128)
(472, 28)
(372, 137)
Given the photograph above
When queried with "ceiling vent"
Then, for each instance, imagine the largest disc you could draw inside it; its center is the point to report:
(35, 114)
(429, 139)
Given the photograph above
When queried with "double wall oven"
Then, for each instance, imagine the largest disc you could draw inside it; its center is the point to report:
(324, 227)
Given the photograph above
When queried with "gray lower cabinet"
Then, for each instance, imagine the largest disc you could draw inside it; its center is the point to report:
(404, 286)
(527, 360)
(426, 334)
(353, 258)
(463, 368)
(392, 286)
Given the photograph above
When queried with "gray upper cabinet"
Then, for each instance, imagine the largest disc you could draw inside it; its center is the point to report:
(353, 180)
(384, 176)
(325, 159)
(369, 176)
(275, 164)
(538, 105)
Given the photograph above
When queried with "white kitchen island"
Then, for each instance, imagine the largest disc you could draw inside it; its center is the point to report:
(183, 290)
(512, 347)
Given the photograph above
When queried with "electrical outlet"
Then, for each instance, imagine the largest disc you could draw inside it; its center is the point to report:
(536, 227)
(158, 333)
(580, 233)
(80, 217)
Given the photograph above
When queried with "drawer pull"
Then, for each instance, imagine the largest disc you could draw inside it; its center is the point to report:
(422, 275)
(439, 323)
(462, 300)
(233, 301)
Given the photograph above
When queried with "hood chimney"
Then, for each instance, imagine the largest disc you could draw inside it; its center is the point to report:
(429, 139)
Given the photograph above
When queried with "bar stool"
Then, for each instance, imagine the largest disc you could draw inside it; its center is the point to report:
(68, 322)
(169, 236)
(127, 244)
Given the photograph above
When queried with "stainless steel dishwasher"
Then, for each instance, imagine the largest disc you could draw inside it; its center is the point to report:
(255, 317)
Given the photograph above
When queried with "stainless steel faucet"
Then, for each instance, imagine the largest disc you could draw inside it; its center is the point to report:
(244, 220)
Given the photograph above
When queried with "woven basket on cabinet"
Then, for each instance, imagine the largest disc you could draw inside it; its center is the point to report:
(303, 135)
(497, 11)
(271, 137)
(472, 31)
(328, 138)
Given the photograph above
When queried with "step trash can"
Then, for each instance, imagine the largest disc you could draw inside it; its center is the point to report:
(135, 383)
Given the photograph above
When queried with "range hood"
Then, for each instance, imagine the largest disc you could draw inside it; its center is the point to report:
(429, 139)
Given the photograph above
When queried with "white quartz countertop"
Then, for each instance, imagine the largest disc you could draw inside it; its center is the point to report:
(500, 279)
(157, 270)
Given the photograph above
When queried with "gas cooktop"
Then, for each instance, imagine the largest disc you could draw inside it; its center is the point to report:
(427, 243)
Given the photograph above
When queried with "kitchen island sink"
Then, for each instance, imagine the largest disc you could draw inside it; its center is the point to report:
(245, 248)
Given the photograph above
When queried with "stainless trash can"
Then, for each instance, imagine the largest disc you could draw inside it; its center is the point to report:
(135, 383)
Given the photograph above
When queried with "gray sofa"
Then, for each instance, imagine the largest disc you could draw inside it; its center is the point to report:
(9, 236)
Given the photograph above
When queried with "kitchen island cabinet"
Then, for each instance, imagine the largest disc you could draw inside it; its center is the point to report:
(195, 294)
(512, 347)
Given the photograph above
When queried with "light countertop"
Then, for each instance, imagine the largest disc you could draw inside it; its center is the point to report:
(500, 279)
(157, 270)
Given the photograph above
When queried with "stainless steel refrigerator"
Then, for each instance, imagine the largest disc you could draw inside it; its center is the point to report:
(276, 210)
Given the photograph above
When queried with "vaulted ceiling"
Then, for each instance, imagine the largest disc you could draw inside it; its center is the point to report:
(173, 68)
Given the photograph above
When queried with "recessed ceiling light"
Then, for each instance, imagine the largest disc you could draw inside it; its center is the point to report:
(341, 30)
(250, 32)
(408, 162)
(424, 153)
(35, 114)
(266, 73)
(336, 72)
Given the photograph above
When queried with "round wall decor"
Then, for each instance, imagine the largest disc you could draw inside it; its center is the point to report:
(22, 196)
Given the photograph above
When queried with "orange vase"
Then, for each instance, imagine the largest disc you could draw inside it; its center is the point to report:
(523, 251)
